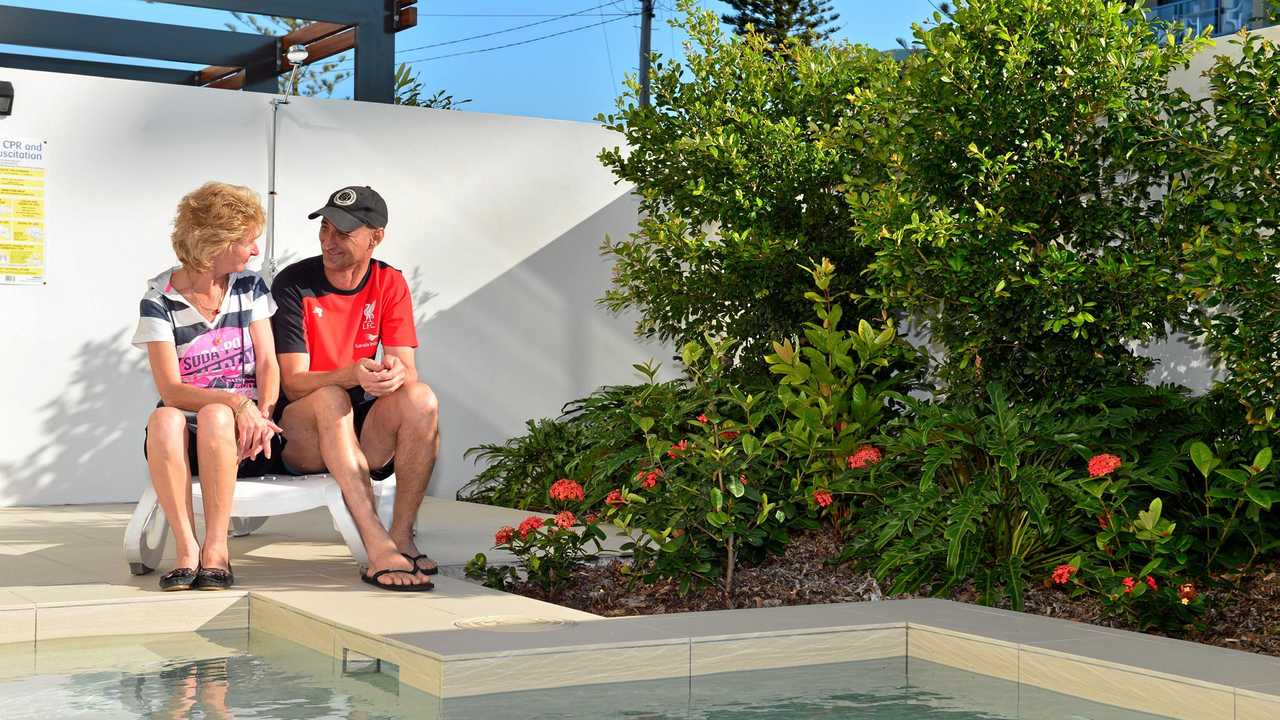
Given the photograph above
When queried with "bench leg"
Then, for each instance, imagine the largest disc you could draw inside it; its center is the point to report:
(345, 525)
(242, 526)
(146, 534)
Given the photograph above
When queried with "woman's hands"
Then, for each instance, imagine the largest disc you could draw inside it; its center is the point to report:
(254, 431)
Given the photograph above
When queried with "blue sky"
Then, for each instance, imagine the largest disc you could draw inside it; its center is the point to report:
(573, 76)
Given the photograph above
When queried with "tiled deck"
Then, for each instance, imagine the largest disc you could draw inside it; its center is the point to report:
(63, 576)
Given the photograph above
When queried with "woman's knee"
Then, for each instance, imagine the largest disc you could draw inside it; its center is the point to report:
(166, 429)
(215, 420)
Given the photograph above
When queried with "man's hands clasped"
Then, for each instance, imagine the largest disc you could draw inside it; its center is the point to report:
(380, 378)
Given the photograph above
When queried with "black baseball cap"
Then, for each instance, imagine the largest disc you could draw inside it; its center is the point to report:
(352, 207)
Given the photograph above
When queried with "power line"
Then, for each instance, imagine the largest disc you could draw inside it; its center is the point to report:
(608, 52)
(522, 42)
(502, 15)
(504, 30)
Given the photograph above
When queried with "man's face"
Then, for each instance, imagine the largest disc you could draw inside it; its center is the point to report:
(346, 250)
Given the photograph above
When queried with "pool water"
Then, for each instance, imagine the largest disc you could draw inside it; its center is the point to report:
(232, 674)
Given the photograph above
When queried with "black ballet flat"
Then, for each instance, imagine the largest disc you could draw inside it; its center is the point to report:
(178, 579)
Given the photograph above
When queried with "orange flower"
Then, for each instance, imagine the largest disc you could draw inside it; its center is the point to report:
(702, 419)
(1062, 574)
(528, 525)
(1103, 464)
(615, 498)
(822, 497)
(566, 489)
(504, 535)
(565, 519)
(865, 455)
(1128, 584)
(678, 448)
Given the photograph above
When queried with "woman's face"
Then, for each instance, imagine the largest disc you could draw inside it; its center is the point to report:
(236, 257)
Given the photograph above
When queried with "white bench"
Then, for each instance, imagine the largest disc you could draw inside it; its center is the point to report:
(256, 499)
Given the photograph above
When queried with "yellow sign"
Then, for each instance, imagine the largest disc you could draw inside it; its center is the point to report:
(22, 217)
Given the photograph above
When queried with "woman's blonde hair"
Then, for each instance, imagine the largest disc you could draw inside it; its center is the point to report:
(211, 219)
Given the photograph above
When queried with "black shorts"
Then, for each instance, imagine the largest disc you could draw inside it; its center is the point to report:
(361, 403)
(252, 467)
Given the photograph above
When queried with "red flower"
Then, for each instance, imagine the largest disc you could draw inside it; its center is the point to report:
(650, 479)
(678, 448)
(504, 535)
(1104, 520)
(591, 519)
(566, 489)
(528, 525)
(1128, 584)
(565, 519)
(729, 434)
(866, 455)
(1103, 464)
(742, 478)
(1062, 574)
(615, 499)
(1187, 593)
(1151, 583)
(822, 497)
(702, 419)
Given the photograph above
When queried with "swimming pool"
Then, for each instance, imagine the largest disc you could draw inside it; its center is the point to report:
(253, 674)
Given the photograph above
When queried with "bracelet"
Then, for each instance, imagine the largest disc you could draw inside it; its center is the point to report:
(240, 408)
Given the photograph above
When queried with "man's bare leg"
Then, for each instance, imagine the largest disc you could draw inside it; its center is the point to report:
(321, 436)
(405, 424)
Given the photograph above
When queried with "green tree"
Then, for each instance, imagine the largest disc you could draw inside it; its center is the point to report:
(739, 165)
(1023, 221)
(808, 21)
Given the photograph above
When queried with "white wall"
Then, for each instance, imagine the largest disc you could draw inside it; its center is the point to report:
(496, 222)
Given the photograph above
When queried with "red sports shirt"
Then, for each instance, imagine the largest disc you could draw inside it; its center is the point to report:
(338, 327)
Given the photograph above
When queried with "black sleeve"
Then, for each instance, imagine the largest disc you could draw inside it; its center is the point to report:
(286, 324)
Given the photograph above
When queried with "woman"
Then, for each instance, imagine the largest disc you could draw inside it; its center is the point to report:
(206, 328)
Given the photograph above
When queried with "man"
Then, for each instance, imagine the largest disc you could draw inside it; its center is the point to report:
(346, 412)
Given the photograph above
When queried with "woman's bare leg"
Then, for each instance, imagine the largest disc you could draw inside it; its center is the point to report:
(171, 477)
(216, 449)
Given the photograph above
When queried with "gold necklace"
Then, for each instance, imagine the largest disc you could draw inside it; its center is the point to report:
(191, 288)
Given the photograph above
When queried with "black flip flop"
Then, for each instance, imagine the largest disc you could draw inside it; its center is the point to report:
(417, 587)
(178, 579)
(415, 558)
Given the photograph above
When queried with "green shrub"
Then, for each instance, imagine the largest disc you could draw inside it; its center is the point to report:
(699, 500)
(594, 442)
(976, 490)
(1225, 204)
(1023, 218)
(739, 164)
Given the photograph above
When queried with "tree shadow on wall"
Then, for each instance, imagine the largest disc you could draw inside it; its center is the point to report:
(91, 432)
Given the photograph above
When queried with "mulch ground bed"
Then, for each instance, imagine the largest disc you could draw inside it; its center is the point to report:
(1244, 613)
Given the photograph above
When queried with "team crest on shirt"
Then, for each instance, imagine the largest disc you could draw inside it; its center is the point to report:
(318, 311)
(369, 323)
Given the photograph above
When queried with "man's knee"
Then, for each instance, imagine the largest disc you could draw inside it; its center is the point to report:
(329, 402)
(422, 400)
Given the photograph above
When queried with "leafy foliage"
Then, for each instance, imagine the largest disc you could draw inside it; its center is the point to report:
(1022, 221)
(738, 164)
